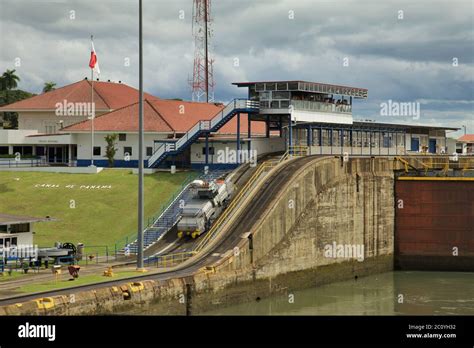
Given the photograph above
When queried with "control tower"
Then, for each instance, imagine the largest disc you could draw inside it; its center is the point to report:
(304, 101)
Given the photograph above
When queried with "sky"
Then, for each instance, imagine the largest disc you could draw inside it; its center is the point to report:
(404, 51)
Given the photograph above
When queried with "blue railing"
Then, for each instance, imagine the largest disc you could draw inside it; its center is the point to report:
(132, 237)
(202, 126)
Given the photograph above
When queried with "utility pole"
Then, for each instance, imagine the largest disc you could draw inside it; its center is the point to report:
(140, 141)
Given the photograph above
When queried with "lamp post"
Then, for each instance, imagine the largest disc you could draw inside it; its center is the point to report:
(140, 142)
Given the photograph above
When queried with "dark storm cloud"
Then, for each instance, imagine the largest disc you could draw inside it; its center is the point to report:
(405, 60)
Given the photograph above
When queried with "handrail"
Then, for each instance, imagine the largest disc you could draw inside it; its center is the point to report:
(234, 202)
(298, 150)
(170, 259)
(321, 106)
(203, 125)
(183, 256)
(284, 156)
(131, 238)
(428, 163)
(26, 162)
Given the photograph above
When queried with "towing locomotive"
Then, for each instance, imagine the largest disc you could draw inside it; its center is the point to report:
(209, 200)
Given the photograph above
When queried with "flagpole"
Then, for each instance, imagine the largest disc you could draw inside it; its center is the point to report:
(92, 114)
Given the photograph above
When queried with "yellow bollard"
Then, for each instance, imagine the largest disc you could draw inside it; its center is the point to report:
(109, 272)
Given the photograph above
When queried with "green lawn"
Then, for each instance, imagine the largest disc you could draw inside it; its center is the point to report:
(14, 275)
(64, 281)
(100, 216)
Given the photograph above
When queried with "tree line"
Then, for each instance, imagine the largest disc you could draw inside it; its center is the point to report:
(9, 93)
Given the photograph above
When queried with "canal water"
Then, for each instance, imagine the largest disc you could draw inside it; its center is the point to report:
(391, 293)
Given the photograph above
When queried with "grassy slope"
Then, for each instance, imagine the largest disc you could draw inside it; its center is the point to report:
(101, 216)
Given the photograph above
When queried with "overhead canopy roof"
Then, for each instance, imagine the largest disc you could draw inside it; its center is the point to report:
(401, 125)
(7, 219)
(305, 86)
(372, 125)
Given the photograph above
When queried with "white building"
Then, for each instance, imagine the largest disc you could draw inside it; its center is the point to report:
(465, 144)
(55, 127)
(40, 119)
(17, 230)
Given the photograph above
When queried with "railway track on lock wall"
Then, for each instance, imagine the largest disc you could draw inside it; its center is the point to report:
(252, 212)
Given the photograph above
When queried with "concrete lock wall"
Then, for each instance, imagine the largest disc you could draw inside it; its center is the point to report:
(325, 201)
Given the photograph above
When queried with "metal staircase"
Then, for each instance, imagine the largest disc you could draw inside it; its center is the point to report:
(200, 128)
(163, 223)
(169, 217)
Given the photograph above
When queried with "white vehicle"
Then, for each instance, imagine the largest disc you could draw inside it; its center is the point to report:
(204, 208)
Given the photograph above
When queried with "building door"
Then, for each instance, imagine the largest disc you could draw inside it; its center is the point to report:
(51, 154)
(432, 146)
(415, 144)
(59, 154)
(56, 154)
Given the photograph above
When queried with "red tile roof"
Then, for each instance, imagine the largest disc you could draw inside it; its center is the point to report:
(107, 96)
(467, 138)
(121, 105)
(160, 115)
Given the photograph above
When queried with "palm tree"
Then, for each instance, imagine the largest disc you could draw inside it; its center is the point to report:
(49, 86)
(10, 79)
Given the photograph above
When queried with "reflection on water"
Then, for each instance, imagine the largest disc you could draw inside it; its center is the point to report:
(420, 292)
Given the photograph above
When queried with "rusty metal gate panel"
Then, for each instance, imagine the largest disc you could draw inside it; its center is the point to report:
(433, 220)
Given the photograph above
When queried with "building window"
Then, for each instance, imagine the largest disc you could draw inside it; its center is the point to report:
(281, 95)
(211, 150)
(3, 228)
(14, 241)
(1, 241)
(27, 150)
(270, 86)
(415, 144)
(149, 151)
(23, 150)
(3, 150)
(40, 151)
(18, 149)
(122, 137)
(20, 228)
(127, 150)
(96, 150)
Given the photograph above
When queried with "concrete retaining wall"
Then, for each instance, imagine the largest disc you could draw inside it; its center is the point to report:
(351, 204)
(326, 201)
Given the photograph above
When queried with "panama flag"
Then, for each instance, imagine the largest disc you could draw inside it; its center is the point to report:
(94, 63)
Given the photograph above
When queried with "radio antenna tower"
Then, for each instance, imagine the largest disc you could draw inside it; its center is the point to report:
(203, 80)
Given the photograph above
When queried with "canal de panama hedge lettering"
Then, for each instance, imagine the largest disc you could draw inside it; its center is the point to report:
(73, 186)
